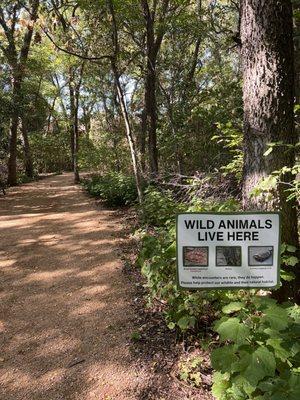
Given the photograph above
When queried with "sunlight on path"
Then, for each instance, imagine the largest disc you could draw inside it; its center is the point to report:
(65, 320)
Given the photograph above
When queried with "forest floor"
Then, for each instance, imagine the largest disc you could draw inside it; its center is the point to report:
(67, 309)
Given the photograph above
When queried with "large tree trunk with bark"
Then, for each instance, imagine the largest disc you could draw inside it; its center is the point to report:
(268, 79)
(296, 8)
(18, 64)
(12, 161)
(153, 44)
(27, 152)
(151, 108)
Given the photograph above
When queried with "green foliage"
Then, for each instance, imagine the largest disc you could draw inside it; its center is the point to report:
(116, 189)
(135, 336)
(23, 178)
(100, 153)
(285, 176)
(51, 153)
(288, 259)
(157, 259)
(189, 371)
(159, 207)
(231, 138)
(260, 359)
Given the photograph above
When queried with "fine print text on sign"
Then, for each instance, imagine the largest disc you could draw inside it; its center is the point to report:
(234, 250)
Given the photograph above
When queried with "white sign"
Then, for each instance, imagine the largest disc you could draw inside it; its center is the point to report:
(234, 250)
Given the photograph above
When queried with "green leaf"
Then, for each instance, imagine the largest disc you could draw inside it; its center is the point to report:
(276, 317)
(223, 358)
(294, 312)
(291, 249)
(220, 384)
(232, 307)
(232, 329)
(292, 261)
(294, 384)
(171, 325)
(283, 248)
(196, 377)
(280, 352)
(196, 361)
(171, 250)
(186, 322)
(287, 275)
(184, 376)
(242, 383)
(261, 363)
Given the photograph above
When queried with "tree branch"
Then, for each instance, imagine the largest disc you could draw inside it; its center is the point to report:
(72, 53)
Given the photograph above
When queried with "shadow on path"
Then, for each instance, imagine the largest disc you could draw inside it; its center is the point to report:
(65, 318)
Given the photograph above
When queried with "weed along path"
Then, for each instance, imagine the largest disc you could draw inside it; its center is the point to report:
(65, 316)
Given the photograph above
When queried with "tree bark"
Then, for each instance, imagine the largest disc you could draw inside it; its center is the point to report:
(153, 44)
(142, 141)
(12, 161)
(268, 94)
(151, 110)
(73, 127)
(296, 7)
(27, 152)
(18, 64)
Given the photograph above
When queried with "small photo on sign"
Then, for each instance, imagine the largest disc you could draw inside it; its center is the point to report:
(260, 255)
(228, 256)
(195, 256)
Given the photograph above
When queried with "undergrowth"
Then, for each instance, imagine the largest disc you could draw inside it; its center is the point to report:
(257, 355)
(116, 189)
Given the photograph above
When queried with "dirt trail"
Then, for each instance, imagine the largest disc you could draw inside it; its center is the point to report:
(65, 317)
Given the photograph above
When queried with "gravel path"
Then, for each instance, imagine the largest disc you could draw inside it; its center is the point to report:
(65, 316)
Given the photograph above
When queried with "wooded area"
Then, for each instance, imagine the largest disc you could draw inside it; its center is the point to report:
(171, 106)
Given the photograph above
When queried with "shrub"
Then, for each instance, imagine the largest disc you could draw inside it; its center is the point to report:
(116, 189)
(23, 178)
(259, 353)
(260, 359)
(158, 207)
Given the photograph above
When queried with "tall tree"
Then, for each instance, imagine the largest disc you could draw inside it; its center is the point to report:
(155, 30)
(296, 9)
(10, 21)
(75, 81)
(122, 100)
(268, 93)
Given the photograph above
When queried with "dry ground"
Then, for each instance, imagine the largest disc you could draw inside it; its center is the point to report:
(65, 314)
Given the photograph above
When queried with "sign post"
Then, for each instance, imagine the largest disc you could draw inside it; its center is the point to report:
(228, 250)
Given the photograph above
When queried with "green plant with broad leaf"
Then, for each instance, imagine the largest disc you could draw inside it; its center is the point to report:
(260, 356)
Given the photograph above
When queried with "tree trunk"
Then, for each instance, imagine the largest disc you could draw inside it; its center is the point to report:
(151, 108)
(296, 7)
(27, 153)
(129, 134)
(74, 129)
(153, 43)
(268, 92)
(142, 141)
(12, 162)
(17, 63)
(120, 94)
